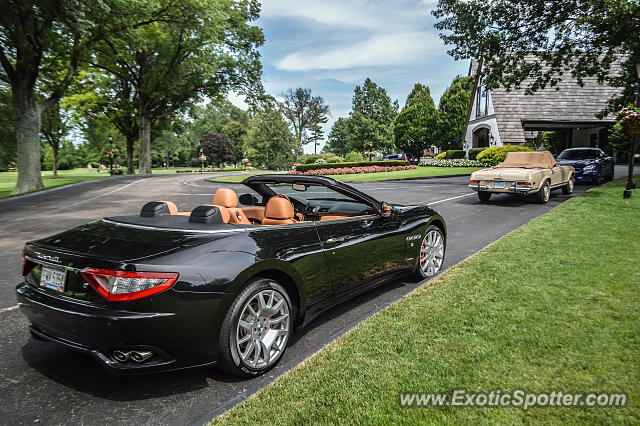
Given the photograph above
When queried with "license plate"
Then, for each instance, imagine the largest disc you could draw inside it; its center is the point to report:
(53, 278)
(499, 184)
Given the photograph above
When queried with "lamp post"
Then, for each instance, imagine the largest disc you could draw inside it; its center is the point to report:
(492, 140)
(634, 141)
(202, 158)
(111, 155)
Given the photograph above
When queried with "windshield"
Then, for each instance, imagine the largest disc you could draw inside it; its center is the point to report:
(313, 192)
(392, 157)
(579, 154)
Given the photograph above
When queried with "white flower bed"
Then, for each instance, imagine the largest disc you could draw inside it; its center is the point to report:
(460, 162)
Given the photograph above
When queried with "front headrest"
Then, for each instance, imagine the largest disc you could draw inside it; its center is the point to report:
(225, 197)
(158, 208)
(279, 207)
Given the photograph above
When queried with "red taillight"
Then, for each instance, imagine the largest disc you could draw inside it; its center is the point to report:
(524, 182)
(474, 180)
(121, 286)
(27, 265)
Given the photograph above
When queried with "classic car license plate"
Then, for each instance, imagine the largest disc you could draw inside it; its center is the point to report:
(499, 184)
(53, 278)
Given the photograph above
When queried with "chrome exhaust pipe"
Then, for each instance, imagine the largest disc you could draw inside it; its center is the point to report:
(141, 356)
(121, 356)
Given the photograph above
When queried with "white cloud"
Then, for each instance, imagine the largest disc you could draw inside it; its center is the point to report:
(238, 100)
(378, 50)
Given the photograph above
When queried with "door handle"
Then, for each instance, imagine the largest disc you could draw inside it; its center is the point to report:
(335, 240)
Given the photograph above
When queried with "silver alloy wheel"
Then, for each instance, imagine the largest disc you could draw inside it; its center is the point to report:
(547, 192)
(431, 253)
(263, 329)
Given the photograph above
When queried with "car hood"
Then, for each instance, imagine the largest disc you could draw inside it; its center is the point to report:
(506, 173)
(576, 163)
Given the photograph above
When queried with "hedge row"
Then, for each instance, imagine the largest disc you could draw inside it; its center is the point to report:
(454, 154)
(307, 167)
(473, 152)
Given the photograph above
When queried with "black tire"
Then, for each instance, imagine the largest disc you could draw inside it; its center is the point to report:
(568, 187)
(544, 193)
(419, 274)
(228, 356)
(484, 195)
(597, 178)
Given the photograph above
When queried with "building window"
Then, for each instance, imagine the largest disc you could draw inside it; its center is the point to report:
(482, 101)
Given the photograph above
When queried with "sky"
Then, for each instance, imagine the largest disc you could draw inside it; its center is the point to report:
(330, 46)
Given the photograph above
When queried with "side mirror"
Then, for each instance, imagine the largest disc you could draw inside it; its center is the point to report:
(386, 210)
(249, 200)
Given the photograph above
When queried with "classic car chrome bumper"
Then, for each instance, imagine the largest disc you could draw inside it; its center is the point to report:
(510, 187)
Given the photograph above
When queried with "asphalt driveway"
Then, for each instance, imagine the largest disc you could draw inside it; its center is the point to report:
(41, 382)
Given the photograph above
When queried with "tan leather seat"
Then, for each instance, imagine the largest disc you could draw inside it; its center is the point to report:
(225, 197)
(278, 211)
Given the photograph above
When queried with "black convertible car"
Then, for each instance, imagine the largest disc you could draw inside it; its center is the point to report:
(220, 284)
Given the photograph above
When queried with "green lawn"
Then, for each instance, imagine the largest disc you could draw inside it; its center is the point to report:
(371, 177)
(555, 305)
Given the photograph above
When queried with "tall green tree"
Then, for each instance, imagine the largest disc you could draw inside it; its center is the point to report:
(416, 125)
(42, 43)
(544, 40)
(305, 114)
(371, 119)
(453, 109)
(55, 126)
(339, 137)
(269, 140)
(206, 49)
(8, 147)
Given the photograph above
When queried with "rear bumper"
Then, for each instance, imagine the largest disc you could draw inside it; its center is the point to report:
(510, 188)
(99, 331)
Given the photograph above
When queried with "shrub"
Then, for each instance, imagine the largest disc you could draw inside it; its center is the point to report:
(353, 157)
(458, 162)
(307, 167)
(453, 154)
(497, 154)
(312, 158)
(441, 156)
(354, 170)
(473, 152)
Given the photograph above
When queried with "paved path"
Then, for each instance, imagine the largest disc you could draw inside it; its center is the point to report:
(42, 382)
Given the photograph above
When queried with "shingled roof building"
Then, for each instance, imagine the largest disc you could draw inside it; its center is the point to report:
(500, 117)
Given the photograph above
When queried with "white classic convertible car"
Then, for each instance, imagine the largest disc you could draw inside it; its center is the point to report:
(533, 173)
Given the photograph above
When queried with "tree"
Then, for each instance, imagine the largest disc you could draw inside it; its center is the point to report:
(55, 126)
(544, 40)
(453, 108)
(416, 125)
(339, 137)
(305, 113)
(45, 41)
(205, 48)
(217, 147)
(269, 140)
(371, 118)
(8, 148)
(236, 132)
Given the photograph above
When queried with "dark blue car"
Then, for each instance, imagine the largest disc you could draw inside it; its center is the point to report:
(591, 164)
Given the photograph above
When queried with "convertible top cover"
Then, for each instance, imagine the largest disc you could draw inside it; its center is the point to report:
(529, 160)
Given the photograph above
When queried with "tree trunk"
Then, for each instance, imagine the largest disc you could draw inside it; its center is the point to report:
(27, 119)
(131, 167)
(144, 161)
(55, 147)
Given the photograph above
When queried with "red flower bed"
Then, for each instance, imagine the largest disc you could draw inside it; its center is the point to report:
(353, 170)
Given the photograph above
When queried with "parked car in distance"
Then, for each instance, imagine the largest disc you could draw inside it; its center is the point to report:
(321, 161)
(531, 173)
(400, 157)
(221, 284)
(590, 164)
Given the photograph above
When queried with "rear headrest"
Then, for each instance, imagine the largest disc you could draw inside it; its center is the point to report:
(206, 214)
(279, 207)
(225, 197)
(158, 208)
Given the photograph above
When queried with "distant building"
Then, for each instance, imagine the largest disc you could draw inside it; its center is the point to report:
(500, 117)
